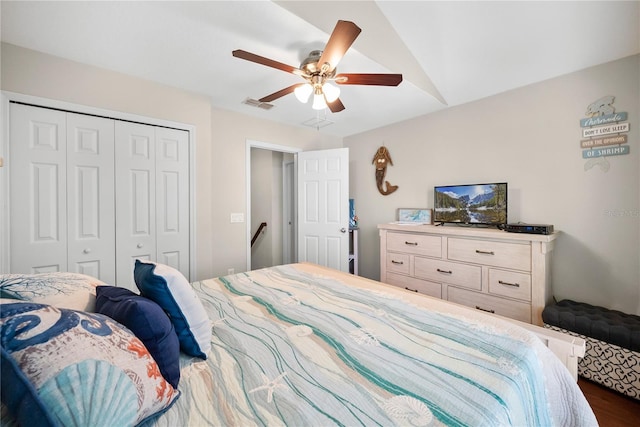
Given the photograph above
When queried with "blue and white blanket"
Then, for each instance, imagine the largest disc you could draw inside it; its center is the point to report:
(296, 345)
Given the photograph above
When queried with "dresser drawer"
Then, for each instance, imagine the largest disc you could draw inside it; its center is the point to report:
(469, 276)
(512, 309)
(398, 263)
(416, 285)
(497, 254)
(417, 244)
(510, 284)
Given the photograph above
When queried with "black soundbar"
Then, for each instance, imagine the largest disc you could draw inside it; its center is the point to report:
(529, 228)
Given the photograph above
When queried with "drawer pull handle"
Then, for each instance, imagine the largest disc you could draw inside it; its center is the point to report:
(412, 290)
(515, 285)
(444, 271)
(484, 309)
(411, 243)
(397, 262)
(478, 251)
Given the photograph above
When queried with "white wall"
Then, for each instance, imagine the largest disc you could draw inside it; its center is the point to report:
(220, 139)
(529, 137)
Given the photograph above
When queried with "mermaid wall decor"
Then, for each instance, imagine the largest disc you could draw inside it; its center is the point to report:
(381, 160)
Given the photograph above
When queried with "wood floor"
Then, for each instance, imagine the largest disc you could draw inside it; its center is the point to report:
(612, 409)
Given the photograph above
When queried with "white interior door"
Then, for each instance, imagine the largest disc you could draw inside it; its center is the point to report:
(90, 196)
(38, 209)
(172, 198)
(323, 208)
(136, 198)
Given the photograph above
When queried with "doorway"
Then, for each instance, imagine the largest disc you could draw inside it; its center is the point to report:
(271, 200)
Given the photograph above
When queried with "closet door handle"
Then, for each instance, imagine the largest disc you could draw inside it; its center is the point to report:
(515, 285)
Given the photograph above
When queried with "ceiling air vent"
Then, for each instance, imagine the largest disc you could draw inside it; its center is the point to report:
(317, 122)
(255, 103)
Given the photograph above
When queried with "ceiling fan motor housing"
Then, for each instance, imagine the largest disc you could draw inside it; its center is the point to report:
(311, 67)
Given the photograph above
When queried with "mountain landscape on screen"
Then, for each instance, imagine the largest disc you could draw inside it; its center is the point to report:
(471, 204)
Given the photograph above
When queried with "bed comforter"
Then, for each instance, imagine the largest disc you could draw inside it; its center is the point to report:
(304, 345)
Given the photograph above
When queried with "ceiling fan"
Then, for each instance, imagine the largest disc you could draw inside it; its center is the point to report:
(319, 71)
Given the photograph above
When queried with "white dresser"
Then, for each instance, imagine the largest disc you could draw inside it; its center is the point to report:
(488, 269)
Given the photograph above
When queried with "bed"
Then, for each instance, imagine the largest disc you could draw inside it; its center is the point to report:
(301, 344)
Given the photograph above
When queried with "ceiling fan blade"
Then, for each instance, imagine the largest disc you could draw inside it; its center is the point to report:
(369, 79)
(341, 39)
(243, 54)
(280, 93)
(335, 106)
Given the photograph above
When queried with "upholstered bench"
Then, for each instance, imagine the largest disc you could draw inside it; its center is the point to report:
(612, 339)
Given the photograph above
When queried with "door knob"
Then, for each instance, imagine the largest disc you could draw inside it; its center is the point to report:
(86, 251)
(343, 230)
(139, 245)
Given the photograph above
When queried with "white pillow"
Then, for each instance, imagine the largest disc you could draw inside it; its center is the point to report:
(170, 290)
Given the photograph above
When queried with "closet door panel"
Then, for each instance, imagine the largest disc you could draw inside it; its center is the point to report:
(172, 178)
(90, 183)
(135, 198)
(38, 234)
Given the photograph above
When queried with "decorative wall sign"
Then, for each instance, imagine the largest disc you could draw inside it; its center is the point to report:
(599, 142)
(604, 130)
(381, 159)
(608, 151)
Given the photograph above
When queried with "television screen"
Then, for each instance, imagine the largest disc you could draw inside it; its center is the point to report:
(471, 204)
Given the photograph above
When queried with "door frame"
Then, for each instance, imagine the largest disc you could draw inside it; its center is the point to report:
(289, 185)
(6, 97)
(249, 144)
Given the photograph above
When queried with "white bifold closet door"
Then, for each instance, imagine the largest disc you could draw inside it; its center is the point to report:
(91, 194)
(152, 197)
(61, 193)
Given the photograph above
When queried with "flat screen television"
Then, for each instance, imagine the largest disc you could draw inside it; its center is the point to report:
(484, 204)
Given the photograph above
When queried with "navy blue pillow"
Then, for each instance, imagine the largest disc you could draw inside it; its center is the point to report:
(148, 321)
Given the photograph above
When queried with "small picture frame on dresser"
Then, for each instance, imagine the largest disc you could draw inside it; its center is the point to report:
(414, 216)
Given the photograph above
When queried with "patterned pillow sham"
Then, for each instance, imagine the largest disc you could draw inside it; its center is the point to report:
(74, 291)
(77, 368)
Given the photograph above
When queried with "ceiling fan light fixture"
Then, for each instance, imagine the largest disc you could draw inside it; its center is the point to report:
(318, 101)
(303, 92)
(331, 92)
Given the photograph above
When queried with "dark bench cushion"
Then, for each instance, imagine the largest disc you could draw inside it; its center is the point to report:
(611, 326)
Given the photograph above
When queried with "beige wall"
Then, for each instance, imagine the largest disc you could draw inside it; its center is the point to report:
(230, 132)
(29, 72)
(220, 139)
(529, 137)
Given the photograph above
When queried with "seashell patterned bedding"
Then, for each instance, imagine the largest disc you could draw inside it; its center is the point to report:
(301, 344)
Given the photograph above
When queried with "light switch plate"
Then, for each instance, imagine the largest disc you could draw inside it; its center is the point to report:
(237, 217)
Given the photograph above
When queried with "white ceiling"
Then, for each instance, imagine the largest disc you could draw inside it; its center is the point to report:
(455, 51)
